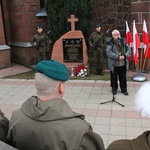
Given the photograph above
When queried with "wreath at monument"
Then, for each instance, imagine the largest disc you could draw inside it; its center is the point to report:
(79, 71)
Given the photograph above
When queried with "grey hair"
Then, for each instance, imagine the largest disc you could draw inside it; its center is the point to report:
(115, 31)
(45, 86)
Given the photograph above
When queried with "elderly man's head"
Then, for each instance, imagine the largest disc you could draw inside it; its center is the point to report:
(115, 34)
(50, 78)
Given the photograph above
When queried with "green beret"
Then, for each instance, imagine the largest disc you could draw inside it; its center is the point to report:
(98, 25)
(53, 69)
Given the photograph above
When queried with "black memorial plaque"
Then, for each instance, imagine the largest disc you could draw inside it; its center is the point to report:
(72, 50)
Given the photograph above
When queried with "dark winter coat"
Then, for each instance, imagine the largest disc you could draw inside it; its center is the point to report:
(113, 55)
(51, 125)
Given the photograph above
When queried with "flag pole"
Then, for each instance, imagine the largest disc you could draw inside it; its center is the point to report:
(133, 62)
(141, 58)
(145, 56)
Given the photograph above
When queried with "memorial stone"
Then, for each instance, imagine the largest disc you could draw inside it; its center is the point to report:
(70, 49)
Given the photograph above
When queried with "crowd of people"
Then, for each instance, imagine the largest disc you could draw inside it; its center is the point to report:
(46, 122)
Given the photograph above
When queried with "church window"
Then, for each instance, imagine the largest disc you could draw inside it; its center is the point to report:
(42, 12)
(42, 5)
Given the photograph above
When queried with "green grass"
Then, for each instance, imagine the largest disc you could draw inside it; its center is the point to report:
(30, 75)
(26, 75)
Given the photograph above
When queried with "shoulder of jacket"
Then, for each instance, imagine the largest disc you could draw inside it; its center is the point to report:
(123, 41)
(102, 33)
(110, 42)
(35, 35)
(94, 32)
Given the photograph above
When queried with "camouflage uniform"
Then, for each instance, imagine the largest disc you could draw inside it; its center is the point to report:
(44, 46)
(97, 43)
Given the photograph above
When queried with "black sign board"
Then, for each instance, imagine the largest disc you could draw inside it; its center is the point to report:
(72, 50)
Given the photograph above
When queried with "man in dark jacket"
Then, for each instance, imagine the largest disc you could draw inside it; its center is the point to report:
(118, 52)
(46, 121)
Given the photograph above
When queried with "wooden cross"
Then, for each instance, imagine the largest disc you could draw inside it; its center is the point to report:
(72, 20)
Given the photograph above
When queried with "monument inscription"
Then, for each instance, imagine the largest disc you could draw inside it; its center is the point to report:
(73, 50)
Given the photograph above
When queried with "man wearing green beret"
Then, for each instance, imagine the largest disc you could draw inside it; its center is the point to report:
(97, 42)
(46, 121)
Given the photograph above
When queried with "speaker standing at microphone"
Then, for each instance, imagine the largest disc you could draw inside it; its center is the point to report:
(117, 52)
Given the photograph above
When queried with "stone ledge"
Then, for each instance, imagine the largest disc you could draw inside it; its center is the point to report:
(20, 44)
(42, 13)
(4, 47)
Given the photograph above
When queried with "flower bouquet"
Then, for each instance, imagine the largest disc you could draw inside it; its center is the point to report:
(81, 71)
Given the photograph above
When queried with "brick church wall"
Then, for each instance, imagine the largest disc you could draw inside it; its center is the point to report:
(23, 23)
(140, 12)
(4, 49)
(2, 37)
(23, 19)
(112, 14)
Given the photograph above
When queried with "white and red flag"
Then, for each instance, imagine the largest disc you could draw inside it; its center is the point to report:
(145, 40)
(128, 35)
(136, 43)
(128, 38)
(148, 50)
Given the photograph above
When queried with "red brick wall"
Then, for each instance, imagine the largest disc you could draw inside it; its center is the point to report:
(4, 53)
(24, 55)
(140, 11)
(2, 38)
(112, 14)
(6, 21)
(23, 22)
(4, 59)
(23, 19)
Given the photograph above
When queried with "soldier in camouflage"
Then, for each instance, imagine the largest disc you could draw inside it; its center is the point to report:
(97, 42)
(41, 42)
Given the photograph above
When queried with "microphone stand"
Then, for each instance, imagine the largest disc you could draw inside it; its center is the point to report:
(113, 100)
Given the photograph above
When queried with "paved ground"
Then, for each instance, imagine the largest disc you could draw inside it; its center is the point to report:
(111, 121)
